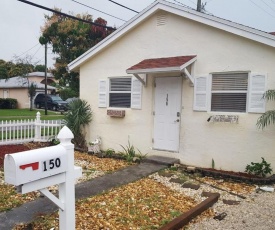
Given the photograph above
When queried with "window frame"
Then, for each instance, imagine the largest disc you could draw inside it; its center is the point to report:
(210, 91)
(119, 92)
(257, 86)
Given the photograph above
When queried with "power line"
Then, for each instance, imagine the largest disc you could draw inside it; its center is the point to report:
(66, 15)
(123, 6)
(36, 51)
(182, 4)
(262, 9)
(98, 10)
(268, 6)
(209, 1)
(28, 50)
(192, 2)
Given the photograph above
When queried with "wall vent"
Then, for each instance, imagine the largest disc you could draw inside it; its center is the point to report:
(161, 19)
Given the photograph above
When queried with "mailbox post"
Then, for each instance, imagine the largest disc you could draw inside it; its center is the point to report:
(67, 189)
(38, 169)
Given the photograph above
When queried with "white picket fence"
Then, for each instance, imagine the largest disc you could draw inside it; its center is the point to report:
(20, 131)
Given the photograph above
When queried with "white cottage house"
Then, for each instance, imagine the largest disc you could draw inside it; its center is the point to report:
(179, 83)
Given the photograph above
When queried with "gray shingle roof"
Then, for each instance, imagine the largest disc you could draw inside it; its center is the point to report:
(20, 82)
(40, 74)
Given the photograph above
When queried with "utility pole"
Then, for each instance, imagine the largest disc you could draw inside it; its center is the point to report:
(46, 80)
(199, 6)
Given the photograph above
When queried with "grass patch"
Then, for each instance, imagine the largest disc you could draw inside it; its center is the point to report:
(18, 114)
(22, 112)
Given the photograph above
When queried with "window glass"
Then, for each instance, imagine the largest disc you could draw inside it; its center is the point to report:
(120, 92)
(229, 92)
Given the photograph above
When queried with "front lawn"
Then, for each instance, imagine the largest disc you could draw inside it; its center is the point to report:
(16, 114)
(144, 204)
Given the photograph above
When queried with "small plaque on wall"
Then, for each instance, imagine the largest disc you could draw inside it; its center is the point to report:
(116, 113)
(225, 118)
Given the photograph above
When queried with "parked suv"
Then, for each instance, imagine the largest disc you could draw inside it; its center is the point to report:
(53, 102)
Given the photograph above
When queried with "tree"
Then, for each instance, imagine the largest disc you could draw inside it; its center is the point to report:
(3, 70)
(268, 117)
(69, 39)
(6, 69)
(32, 92)
(39, 68)
(21, 67)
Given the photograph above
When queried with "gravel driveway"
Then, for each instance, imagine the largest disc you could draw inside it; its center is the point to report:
(256, 212)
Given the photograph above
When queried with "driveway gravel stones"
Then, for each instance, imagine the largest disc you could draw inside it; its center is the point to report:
(253, 209)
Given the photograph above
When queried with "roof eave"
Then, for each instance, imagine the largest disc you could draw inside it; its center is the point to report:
(232, 27)
(74, 65)
(154, 70)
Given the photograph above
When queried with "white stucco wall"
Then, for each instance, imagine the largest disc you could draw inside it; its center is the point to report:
(232, 146)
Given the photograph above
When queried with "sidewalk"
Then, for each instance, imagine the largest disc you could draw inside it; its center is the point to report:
(28, 212)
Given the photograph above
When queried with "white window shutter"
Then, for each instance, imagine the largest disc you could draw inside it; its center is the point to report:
(257, 88)
(102, 94)
(136, 94)
(200, 93)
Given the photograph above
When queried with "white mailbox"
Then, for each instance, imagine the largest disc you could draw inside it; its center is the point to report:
(40, 168)
(24, 167)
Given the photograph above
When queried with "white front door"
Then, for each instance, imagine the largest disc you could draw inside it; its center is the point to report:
(167, 113)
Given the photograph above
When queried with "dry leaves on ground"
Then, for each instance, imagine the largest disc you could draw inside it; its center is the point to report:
(92, 168)
(101, 164)
(144, 204)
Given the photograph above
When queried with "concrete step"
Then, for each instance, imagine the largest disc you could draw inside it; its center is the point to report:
(161, 160)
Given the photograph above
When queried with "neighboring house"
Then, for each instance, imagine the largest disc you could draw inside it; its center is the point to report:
(190, 86)
(17, 87)
(40, 77)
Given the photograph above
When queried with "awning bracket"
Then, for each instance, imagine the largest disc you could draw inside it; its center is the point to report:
(141, 79)
(188, 75)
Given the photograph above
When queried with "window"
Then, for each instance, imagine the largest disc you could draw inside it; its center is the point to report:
(120, 92)
(229, 92)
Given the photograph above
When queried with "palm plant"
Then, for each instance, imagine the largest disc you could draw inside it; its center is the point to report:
(269, 116)
(78, 116)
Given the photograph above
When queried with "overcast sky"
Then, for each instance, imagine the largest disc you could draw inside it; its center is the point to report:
(20, 23)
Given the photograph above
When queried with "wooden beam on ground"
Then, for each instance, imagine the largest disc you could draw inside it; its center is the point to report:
(186, 217)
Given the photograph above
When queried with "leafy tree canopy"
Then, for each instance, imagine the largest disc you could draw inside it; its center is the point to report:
(69, 39)
(18, 67)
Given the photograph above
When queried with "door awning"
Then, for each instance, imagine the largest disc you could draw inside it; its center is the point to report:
(163, 65)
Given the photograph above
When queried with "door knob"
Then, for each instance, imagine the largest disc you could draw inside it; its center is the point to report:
(178, 120)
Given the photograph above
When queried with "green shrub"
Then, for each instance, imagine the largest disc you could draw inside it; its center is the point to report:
(110, 152)
(259, 169)
(130, 154)
(77, 118)
(67, 93)
(8, 103)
